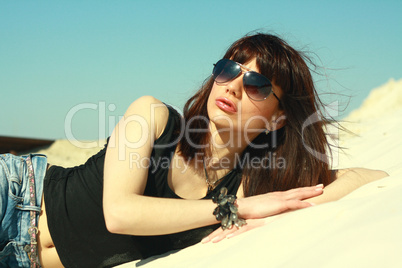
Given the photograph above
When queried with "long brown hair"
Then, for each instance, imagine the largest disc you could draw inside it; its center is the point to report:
(300, 145)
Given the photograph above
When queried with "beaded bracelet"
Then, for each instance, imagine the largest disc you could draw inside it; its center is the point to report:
(226, 211)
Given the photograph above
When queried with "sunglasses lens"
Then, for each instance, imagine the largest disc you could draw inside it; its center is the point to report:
(257, 86)
(225, 70)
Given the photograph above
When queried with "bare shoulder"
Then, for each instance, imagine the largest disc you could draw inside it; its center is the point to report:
(147, 105)
(152, 110)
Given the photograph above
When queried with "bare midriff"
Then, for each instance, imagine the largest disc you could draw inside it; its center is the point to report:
(47, 252)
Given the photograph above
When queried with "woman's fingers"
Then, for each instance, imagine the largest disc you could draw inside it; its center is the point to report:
(292, 199)
(220, 234)
(303, 193)
(297, 204)
(264, 205)
(251, 224)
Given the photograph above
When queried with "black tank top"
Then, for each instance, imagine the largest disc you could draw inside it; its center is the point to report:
(73, 198)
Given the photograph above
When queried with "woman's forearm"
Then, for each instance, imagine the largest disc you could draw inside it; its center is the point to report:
(143, 215)
(347, 181)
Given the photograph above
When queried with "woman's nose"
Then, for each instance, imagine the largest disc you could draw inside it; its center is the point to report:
(235, 86)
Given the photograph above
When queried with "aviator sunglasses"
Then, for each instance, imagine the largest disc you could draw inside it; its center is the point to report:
(256, 86)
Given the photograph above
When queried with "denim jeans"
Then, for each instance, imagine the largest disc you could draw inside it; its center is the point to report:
(15, 207)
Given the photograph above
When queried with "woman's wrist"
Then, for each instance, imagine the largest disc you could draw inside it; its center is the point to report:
(241, 208)
(227, 210)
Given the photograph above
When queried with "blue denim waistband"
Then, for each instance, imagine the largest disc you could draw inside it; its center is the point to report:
(21, 186)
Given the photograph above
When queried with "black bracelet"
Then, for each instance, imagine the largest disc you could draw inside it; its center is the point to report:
(226, 211)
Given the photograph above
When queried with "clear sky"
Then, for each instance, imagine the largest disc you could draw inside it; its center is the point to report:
(83, 62)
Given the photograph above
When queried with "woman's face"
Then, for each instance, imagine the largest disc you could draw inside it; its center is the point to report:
(230, 109)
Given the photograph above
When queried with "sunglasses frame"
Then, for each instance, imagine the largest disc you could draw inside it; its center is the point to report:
(244, 76)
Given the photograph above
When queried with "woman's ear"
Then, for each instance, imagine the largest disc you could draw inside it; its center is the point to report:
(278, 121)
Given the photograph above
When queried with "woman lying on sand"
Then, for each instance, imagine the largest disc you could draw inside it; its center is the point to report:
(244, 134)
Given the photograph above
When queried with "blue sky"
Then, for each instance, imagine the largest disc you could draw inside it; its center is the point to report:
(98, 56)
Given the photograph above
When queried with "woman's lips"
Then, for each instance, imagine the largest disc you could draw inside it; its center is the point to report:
(226, 105)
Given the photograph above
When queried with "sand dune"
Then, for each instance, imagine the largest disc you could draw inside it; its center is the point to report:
(377, 127)
(66, 154)
(381, 101)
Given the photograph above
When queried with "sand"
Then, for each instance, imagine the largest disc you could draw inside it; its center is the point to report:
(65, 154)
(363, 229)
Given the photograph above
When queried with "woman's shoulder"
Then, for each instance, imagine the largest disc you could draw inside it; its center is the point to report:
(147, 105)
(151, 110)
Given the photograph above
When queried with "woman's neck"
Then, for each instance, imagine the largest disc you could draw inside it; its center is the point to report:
(225, 147)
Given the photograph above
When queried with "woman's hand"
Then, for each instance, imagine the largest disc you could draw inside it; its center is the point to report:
(265, 205)
(257, 209)
(220, 234)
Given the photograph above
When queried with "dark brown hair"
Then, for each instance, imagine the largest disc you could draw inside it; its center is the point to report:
(301, 142)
